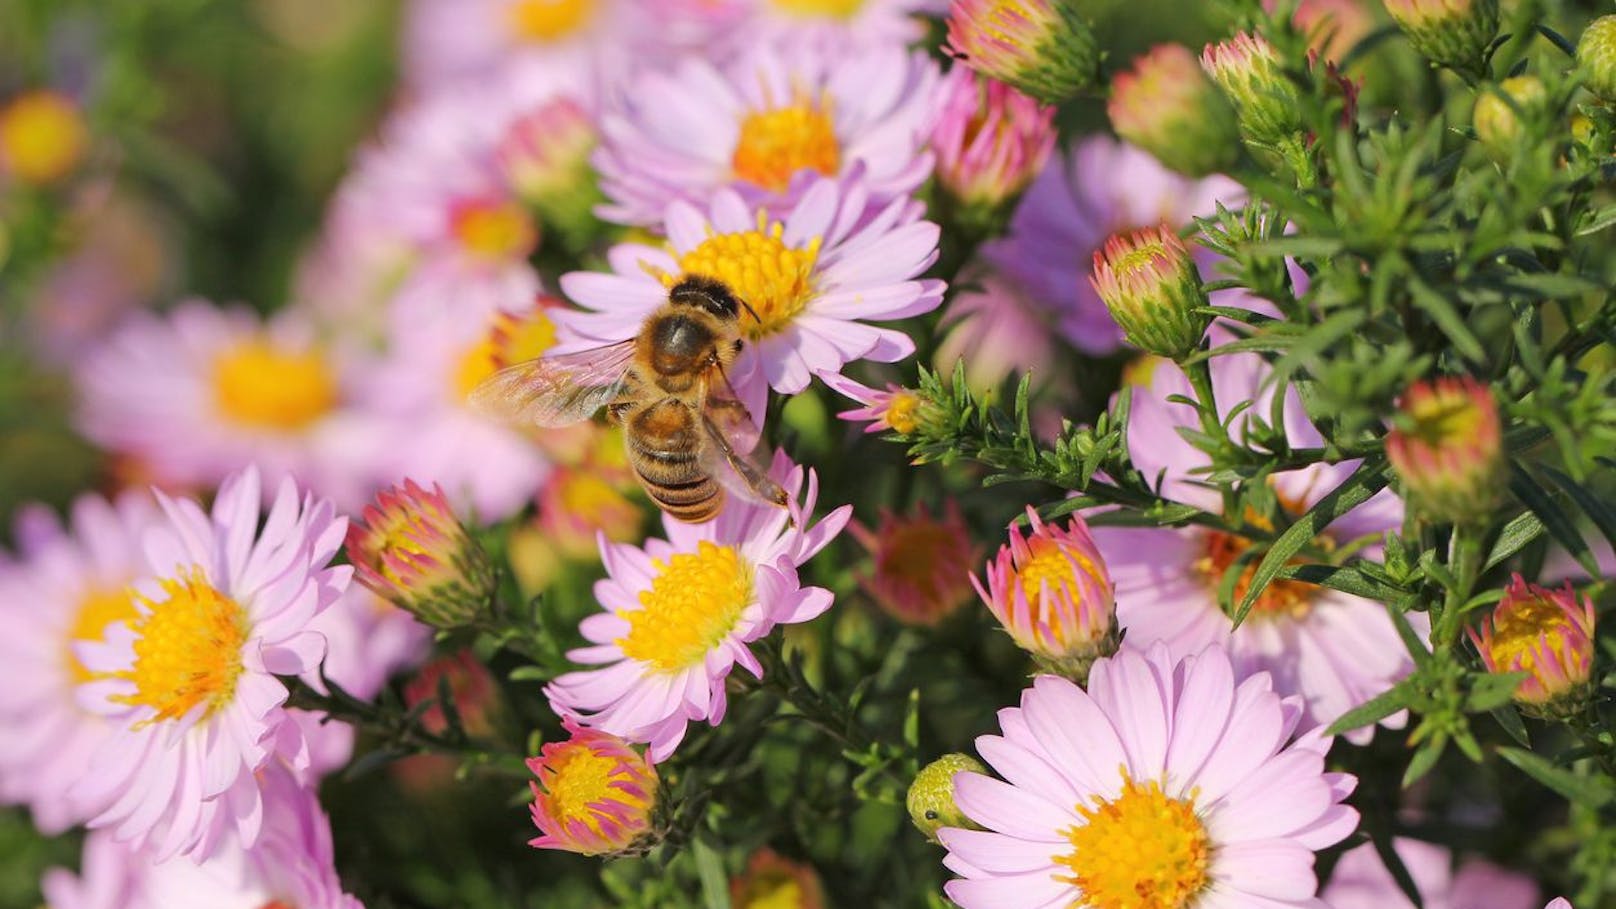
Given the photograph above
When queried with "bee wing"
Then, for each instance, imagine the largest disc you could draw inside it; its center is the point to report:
(723, 406)
(736, 471)
(557, 390)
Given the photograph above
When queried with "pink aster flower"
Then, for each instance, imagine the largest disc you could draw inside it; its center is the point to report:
(1333, 649)
(767, 124)
(812, 279)
(998, 332)
(681, 611)
(201, 391)
(69, 584)
(1361, 881)
(893, 408)
(594, 793)
(291, 865)
(1169, 778)
(188, 678)
(991, 140)
(1077, 202)
(468, 40)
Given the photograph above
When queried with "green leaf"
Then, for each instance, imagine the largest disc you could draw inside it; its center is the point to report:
(1553, 286)
(1424, 759)
(1446, 317)
(1559, 524)
(1594, 221)
(1367, 480)
(1515, 536)
(1347, 579)
(714, 881)
(1592, 792)
(1491, 691)
(1375, 709)
(1510, 719)
(1597, 509)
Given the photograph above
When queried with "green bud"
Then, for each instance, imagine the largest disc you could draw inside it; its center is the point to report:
(1498, 121)
(1454, 33)
(1150, 284)
(931, 796)
(1596, 55)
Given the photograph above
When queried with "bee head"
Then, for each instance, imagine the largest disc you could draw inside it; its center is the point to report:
(708, 294)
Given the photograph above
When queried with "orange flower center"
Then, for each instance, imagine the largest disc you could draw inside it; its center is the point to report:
(512, 339)
(1141, 850)
(549, 21)
(775, 144)
(1282, 598)
(98, 610)
(903, 412)
(1518, 630)
(494, 229)
(259, 385)
(187, 648)
(912, 553)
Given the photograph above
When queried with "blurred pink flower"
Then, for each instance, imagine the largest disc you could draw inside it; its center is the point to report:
(188, 679)
(767, 124)
(679, 614)
(1361, 881)
(1333, 649)
(461, 41)
(990, 140)
(998, 332)
(1168, 777)
(69, 584)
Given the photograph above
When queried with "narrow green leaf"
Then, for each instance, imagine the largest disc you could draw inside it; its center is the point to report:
(1520, 531)
(1592, 792)
(1558, 523)
(714, 881)
(1375, 709)
(1490, 692)
(1510, 719)
(1597, 509)
(1594, 221)
(1346, 579)
(1446, 317)
(1425, 759)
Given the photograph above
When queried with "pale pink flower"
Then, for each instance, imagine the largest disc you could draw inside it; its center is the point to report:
(1193, 769)
(893, 408)
(766, 125)
(998, 332)
(1361, 881)
(679, 614)
(189, 679)
(449, 41)
(68, 584)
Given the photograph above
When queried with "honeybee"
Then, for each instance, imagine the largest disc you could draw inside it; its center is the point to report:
(668, 387)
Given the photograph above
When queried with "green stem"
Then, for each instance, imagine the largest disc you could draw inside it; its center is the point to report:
(1464, 561)
(1200, 374)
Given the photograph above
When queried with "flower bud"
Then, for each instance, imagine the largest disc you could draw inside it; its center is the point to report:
(1249, 71)
(594, 795)
(1447, 448)
(1042, 47)
(931, 795)
(1167, 106)
(1150, 284)
(545, 158)
(1454, 33)
(410, 549)
(1051, 591)
(990, 141)
(1332, 27)
(902, 410)
(920, 575)
(1596, 56)
(773, 882)
(471, 688)
(42, 137)
(1498, 121)
(1547, 633)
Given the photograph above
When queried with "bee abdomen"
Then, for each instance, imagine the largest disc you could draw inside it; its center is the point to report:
(693, 501)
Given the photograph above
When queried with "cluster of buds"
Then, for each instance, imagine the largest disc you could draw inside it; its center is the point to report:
(1596, 57)
(920, 576)
(1051, 591)
(1454, 33)
(1152, 287)
(1548, 634)
(1447, 448)
(545, 159)
(411, 550)
(595, 794)
(1167, 106)
(42, 138)
(1252, 75)
(1045, 48)
(1499, 109)
(990, 141)
(931, 795)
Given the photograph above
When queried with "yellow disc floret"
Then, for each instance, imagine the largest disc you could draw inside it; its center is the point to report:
(775, 280)
(840, 9)
(584, 777)
(775, 144)
(1518, 631)
(549, 21)
(903, 412)
(98, 609)
(262, 386)
(187, 648)
(694, 602)
(1141, 850)
(512, 339)
(494, 229)
(1057, 566)
(42, 137)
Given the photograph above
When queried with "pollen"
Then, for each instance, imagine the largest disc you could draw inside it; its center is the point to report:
(259, 385)
(549, 21)
(773, 279)
(585, 778)
(187, 649)
(775, 144)
(903, 412)
(839, 9)
(98, 610)
(694, 602)
(493, 229)
(512, 339)
(1057, 566)
(1141, 850)
(1519, 632)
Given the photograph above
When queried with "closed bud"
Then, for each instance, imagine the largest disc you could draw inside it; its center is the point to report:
(1150, 284)
(990, 141)
(1249, 71)
(472, 690)
(1596, 57)
(920, 575)
(42, 137)
(1454, 33)
(1447, 448)
(410, 549)
(545, 159)
(1167, 106)
(1548, 634)
(1045, 48)
(931, 796)
(594, 796)
(1498, 113)
(774, 882)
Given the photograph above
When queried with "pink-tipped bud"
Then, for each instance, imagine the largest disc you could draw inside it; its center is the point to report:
(1045, 48)
(594, 796)
(410, 549)
(1454, 33)
(1051, 591)
(1547, 633)
(1332, 27)
(920, 575)
(1251, 74)
(990, 140)
(1447, 448)
(545, 159)
(472, 689)
(42, 137)
(1150, 284)
(1167, 106)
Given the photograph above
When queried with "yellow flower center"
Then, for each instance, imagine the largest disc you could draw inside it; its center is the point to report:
(98, 610)
(584, 777)
(785, 894)
(841, 9)
(776, 281)
(776, 144)
(1141, 850)
(1058, 567)
(512, 339)
(1139, 257)
(549, 21)
(187, 648)
(1517, 631)
(1445, 419)
(259, 385)
(694, 602)
(494, 229)
(42, 137)
(903, 412)
(912, 553)
(1281, 598)
(590, 498)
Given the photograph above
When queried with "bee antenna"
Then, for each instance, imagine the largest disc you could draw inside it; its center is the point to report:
(757, 318)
